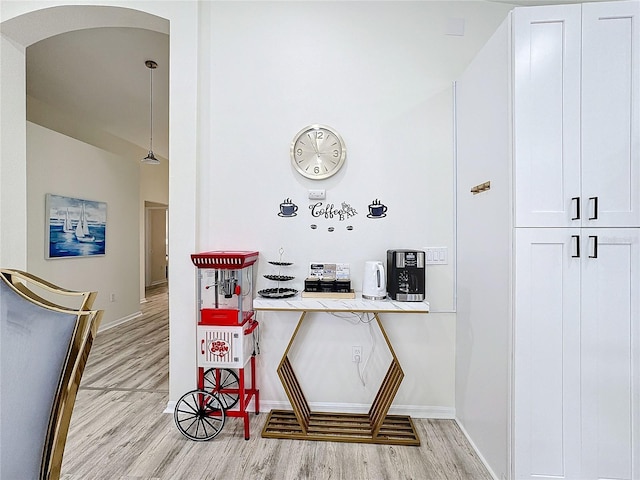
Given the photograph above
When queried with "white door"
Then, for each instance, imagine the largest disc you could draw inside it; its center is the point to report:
(611, 114)
(547, 353)
(611, 354)
(547, 115)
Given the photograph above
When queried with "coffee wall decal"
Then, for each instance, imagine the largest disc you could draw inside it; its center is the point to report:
(330, 211)
(377, 209)
(288, 208)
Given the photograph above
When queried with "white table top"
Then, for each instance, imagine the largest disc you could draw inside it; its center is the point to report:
(358, 304)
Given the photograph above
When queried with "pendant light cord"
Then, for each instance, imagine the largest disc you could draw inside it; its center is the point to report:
(151, 102)
(151, 158)
(151, 65)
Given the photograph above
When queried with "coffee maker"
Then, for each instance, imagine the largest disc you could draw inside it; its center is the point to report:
(406, 275)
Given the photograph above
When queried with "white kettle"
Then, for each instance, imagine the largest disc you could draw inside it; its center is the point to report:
(374, 282)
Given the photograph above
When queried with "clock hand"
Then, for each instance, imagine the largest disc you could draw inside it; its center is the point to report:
(314, 143)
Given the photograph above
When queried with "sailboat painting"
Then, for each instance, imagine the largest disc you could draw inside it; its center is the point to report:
(75, 227)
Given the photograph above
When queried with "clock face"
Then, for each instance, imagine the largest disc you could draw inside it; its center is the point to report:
(318, 152)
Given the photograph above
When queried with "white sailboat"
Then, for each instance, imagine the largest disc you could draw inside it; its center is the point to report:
(67, 227)
(82, 228)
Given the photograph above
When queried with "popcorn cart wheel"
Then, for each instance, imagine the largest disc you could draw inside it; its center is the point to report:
(225, 384)
(199, 415)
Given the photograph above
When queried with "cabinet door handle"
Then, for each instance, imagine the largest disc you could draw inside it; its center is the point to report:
(595, 246)
(577, 204)
(595, 208)
(577, 246)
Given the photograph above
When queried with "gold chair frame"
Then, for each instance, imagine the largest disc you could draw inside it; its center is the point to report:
(86, 328)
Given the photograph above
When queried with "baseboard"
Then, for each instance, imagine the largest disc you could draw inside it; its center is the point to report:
(114, 323)
(171, 406)
(473, 445)
(414, 411)
(420, 411)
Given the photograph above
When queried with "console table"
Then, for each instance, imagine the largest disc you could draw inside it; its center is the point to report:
(375, 426)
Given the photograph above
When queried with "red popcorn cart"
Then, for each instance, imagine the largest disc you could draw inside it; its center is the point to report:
(227, 343)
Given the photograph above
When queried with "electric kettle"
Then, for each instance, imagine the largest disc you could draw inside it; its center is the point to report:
(374, 283)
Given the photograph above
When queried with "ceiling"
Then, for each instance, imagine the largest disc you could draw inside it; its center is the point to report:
(93, 85)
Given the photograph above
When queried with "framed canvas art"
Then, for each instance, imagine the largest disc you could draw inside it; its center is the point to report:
(74, 227)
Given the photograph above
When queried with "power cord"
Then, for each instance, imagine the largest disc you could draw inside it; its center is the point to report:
(361, 372)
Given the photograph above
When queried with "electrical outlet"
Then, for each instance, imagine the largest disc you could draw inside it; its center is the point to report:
(356, 354)
(112, 297)
(317, 194)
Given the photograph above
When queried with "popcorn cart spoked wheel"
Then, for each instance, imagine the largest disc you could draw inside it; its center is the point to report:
(199, 415)
(225, 383)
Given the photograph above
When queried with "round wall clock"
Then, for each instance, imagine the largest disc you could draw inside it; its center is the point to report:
(317, 152)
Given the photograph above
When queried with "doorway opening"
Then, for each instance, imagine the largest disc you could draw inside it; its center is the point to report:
(156, 244)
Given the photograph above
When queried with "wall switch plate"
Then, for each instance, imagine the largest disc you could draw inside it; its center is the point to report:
(317, 194)
(436, 255)
(356, 354)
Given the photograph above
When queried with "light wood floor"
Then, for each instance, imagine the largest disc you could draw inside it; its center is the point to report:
(118, 430)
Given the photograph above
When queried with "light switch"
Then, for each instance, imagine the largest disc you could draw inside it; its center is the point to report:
(436, 255)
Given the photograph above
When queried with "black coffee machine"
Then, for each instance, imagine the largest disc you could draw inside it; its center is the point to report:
(406, 275)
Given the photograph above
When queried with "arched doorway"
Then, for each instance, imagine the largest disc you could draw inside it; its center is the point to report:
(24, 23)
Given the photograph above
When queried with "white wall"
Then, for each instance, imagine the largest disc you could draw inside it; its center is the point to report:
(61, 165)
(381, 74)
(483, 336)
(13, 171)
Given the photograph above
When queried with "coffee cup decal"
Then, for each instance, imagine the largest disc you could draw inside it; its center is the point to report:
(377, 209)
(288, 208)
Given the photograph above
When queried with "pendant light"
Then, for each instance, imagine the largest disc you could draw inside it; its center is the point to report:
(151, 159)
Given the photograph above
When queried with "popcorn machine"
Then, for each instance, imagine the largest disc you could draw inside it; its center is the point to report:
(227, 341)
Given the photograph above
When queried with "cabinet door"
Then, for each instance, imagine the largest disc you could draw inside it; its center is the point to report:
(611, 114)
(611, 354)
(547, 354)
(546, 115)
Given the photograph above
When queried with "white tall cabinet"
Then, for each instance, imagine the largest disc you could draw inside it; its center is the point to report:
(549, 113)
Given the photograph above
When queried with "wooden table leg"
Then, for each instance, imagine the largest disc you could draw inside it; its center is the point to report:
(292, 386)
(375, 427)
